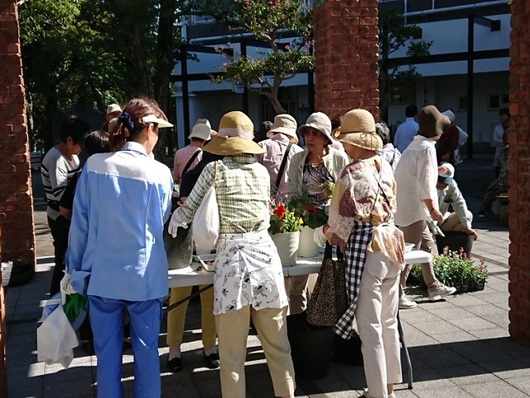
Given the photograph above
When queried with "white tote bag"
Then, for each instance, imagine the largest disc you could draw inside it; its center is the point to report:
(206, 223)
(56, 339)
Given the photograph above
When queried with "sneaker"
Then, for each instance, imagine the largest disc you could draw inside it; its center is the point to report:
(406, 304)
(212, 360)
(174, 365)
(438, 290)
(365, 394)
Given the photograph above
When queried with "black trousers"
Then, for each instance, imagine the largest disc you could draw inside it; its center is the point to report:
(59, 229)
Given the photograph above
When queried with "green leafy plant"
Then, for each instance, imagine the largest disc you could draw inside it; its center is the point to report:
(312, 216)
(457, 269)
(284, 219)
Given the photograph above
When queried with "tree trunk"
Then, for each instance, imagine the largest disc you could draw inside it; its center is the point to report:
(165, 61)
(274, 98)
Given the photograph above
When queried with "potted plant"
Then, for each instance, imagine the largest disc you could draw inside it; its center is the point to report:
(312, 216)
(284, 228)
(457, 269)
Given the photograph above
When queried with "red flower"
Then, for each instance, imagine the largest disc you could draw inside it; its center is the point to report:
(280, 211)
(311, 208)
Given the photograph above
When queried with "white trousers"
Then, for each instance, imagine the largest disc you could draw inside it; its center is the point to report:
(376, 315)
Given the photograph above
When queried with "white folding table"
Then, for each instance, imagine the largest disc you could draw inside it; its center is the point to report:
(196, 275)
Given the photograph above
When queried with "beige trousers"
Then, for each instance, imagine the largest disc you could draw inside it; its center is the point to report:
(233, 329)
(419, 234)
(176, 318)
(298, 294)
(452, 222)
(376, 315)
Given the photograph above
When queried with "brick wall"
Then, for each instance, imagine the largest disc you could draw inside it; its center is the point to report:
(519, 193)
(346, 51)
(17, 237)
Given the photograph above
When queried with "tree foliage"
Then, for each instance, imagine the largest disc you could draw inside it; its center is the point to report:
(286, 27)
(394, 35)
(86, 54)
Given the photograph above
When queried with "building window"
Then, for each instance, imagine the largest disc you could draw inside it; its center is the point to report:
(402, 91)
(497, 101)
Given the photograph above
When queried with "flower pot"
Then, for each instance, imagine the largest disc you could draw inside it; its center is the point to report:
(287, 245)
(307, 247)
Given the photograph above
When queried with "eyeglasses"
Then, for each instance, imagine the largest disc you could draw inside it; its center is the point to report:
(311, 132)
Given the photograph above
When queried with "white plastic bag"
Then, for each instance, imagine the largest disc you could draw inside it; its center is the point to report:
(56, 339)
(206, 223)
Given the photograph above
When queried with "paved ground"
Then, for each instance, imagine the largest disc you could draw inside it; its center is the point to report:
(460, 347)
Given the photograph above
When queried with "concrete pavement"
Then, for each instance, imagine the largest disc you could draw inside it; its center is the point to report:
(460, 347)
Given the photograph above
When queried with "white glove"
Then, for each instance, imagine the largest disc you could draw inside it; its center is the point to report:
(66, 287)
(319, 237)
(175, 223)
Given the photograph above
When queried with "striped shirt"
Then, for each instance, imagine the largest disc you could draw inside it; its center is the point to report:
(242, 188)
(56, 171)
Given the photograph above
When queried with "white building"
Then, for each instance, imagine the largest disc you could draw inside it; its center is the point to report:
(469, 64)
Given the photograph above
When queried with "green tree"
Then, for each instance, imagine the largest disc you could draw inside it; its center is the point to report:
(271, 21)
(394, 35)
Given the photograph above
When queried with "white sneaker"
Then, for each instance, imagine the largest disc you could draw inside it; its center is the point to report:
(365, 394)
(438, 290)
(405, 303)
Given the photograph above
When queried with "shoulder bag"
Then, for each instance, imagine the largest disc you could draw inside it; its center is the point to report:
(328, 301)
(206, 222)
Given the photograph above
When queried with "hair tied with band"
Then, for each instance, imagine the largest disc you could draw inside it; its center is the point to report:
(126, 119)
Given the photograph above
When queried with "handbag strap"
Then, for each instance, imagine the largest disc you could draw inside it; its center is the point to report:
(328, 252)
(282, 166)
(193, 157)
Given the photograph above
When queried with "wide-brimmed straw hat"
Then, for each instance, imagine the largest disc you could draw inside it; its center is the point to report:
(358, 128)
(319, 121)
(234, 137)
(431, 122)
(286, 124)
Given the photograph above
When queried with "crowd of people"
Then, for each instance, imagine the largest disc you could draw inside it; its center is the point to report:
(378, 194)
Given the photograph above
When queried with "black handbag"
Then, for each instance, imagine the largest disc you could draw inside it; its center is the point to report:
(328, 301)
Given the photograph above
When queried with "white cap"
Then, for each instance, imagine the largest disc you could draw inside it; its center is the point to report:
(113, 108)
(446, 173)
(450, 114)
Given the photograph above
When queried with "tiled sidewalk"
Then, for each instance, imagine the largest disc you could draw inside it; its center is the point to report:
(460, 347)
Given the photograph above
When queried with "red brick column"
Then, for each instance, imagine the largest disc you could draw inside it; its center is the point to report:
(17, 236)
(519, 193)
(346, 52)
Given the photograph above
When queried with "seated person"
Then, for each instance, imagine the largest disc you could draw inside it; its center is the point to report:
(450, 196)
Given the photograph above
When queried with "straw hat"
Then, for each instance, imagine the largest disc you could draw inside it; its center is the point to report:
(234, 137)
(286, 124)
(431, 122)
(319, 121)
(358, 128)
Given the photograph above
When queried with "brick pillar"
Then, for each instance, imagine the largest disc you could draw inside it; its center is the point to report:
(519, 193)
(346, 52)
(17, 236)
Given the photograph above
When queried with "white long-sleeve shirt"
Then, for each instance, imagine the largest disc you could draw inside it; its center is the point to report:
(416, 175)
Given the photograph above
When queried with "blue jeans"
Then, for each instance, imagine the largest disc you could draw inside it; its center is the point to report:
(107, 317)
